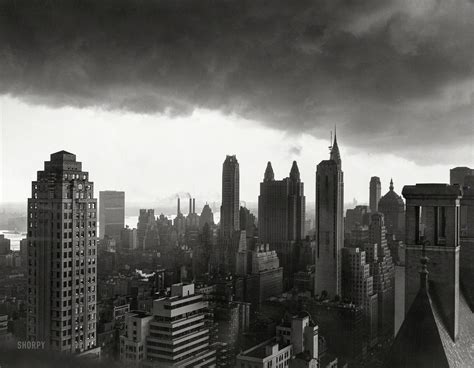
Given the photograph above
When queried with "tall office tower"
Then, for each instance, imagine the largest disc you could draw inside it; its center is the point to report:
(4, 245)
(393, 208)
(375, 193)
(146, 221)
(329, 223)
(178, 334)
(457, 175)
(356, 219)
(358, 287)
(111, 213)
(281, 207)
(129, 239)
(230, 197)
(264, 278)
(248, 222)
(383, 271)
(62, 243)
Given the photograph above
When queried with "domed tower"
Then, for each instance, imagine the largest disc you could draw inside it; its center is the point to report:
(393, 208)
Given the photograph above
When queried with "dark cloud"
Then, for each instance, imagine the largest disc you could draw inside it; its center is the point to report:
(295, 150)
(394, 75)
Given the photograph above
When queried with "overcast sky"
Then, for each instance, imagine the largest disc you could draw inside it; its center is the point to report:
(151, 95)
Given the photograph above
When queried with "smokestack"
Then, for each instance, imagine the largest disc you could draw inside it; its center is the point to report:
(194, 205)
(190, 206)
(179, 206)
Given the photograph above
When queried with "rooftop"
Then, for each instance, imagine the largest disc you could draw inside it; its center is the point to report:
(431, 190)
(260, 351)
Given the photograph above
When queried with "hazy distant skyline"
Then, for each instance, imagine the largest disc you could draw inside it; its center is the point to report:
(151, 95)
(153, 157)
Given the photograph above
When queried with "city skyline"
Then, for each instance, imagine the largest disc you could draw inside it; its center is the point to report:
(160, 166)
(237, 183)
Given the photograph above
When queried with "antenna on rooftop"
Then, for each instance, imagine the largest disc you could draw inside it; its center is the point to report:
(330, 143)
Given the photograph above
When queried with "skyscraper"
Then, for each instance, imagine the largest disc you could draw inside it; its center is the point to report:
(146, 224)
(375, 192)
(358, 287)
(207, 217)
(62, 243)
(230, 197)
(383, 272)
(281, 207)
(329, 223)
(111, 213)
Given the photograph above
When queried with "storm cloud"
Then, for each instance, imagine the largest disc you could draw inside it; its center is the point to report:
(394, 75)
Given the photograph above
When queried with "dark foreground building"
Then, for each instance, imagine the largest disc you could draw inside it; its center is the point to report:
(439, 327)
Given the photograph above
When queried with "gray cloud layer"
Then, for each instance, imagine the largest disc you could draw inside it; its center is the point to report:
(394, 75)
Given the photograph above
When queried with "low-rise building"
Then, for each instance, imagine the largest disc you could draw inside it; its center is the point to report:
(179, 335)
(132, 342)
(295, 345)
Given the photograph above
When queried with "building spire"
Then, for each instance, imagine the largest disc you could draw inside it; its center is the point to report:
(269, 175)
(391, 184)
(295, 172)
(335, 155)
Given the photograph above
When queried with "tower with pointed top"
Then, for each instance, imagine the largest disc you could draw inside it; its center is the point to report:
(281, 207)
(281, 215)
(329, 223)
(269, 175)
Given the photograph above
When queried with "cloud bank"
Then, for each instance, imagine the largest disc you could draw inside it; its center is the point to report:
(394, 75)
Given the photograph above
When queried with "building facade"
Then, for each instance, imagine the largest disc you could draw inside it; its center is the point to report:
(439, 323)
(111, 213)
(129, 239)
(393, 208)
(62, 245)
(132, 341)
(206, 217)
(230, 219)
(281, 207)
(383, 271)
(4, 245)
(358, 288)
(295, 345)
(178, 335)
(375, 193)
